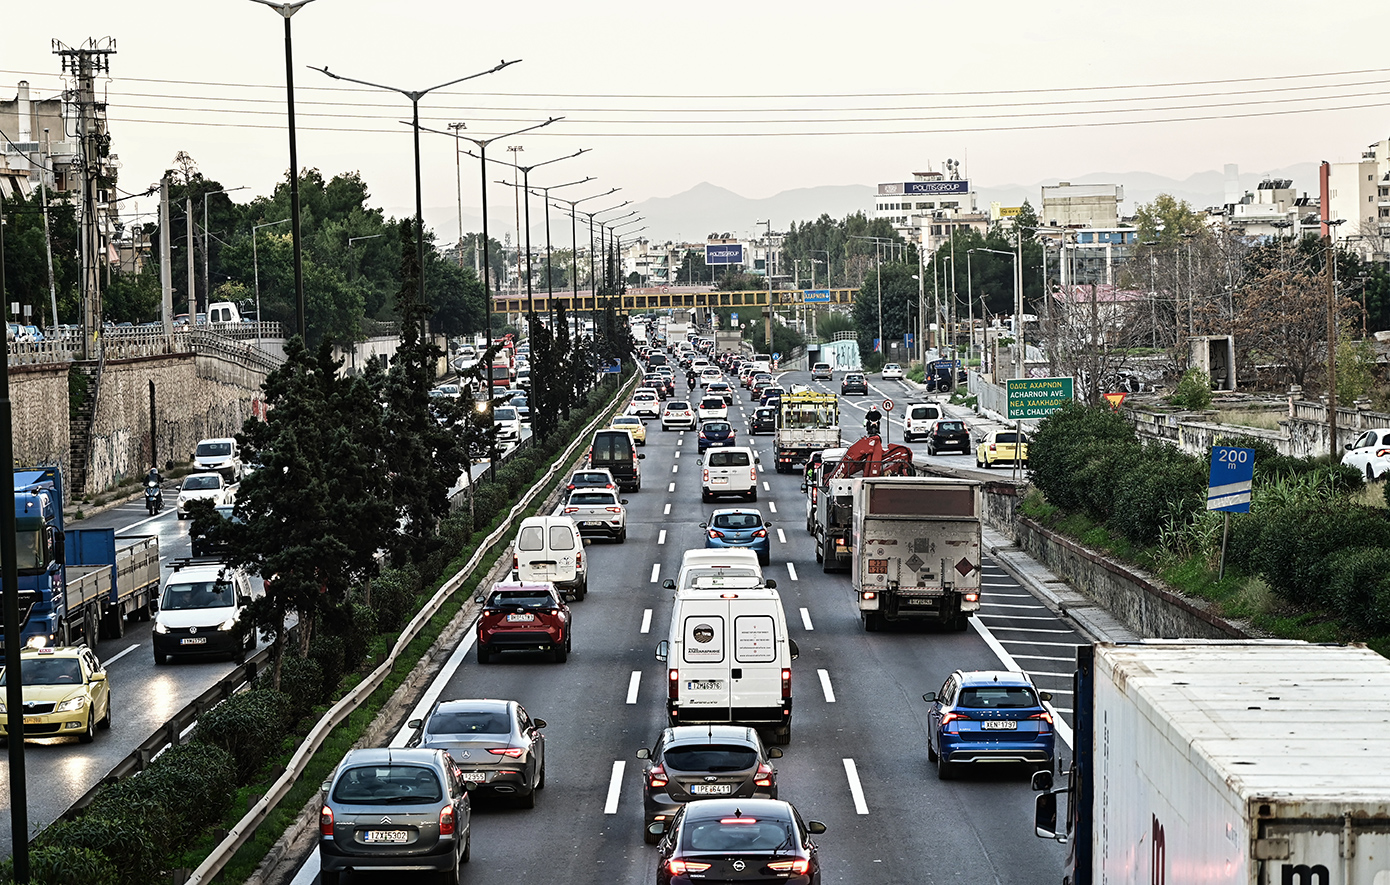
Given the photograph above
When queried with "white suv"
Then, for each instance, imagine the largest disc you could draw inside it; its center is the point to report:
(918, 419)
(220, 455)
(645, 403)
(729, 470)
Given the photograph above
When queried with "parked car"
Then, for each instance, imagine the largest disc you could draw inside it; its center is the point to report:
(716, 433)
(822, 372)
(65, 693)
(1370, 453)
(202, 487)
(987, 717)
(678, 413)
(495, 745)
(633, 425)
(394, 808)
(712, 408)
(949, 434)
(764, 420)
(737, 840)
(598, 512)
(1002, 447)
(854, 382)
(739, 527)
(518, 616)
(692, 762)
(893, 372)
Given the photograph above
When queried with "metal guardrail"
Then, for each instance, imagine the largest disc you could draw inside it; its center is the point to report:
(246, 827)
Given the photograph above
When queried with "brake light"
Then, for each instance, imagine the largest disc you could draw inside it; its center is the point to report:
(738, 820)
(657, 777)
(760, 533)
(509, 752)
(579, 560)
(514, 562)
(679, 866)
(796, 867)
(571, 510)
(325, 821)
(715, 533)
(673, 684)
(786, 682)
(1044, 716)
(753, 473)
(764, 778)
(614, 509)
(869, 594)
(446, 820)
(948, 718)
(706, 475)
(972, 597)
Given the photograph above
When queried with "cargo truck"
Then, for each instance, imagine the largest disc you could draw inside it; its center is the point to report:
(79, 583)
(809, 422)
(1232, 762)
(915, 550)
(832, 493)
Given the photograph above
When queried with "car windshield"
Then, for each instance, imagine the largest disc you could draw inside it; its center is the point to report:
(49, 671)
(737, 834)
(202, 482)
(712, 758)
(593, 498)
(397, 784)
(504, 414)
(197, 594)
(997, 697)
(737, 520)
(469, 722)
(214, 449)
(528, 598)
(728, 459)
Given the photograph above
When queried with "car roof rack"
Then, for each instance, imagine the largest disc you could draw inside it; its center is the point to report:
(193, 561)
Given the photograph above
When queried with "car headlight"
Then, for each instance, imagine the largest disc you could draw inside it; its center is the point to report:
(37, 642)
(71, 704)
(229, 624)
(161, 627)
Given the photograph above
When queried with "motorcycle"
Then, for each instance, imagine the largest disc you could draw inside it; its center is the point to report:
(154, 497)
(871, 427)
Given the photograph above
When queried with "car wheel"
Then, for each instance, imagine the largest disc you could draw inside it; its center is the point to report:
(582, 592)
(622, 535)
(484, 654)
(527, 801)
(704, 495)
(105, 721)
(931, 754)
(561, 652)
(90, 734)
(1370, 474)
(467, 846)
(945, 771)
(160, 659)
(239, 656)
(753, 495)
(451, 875)
(764, 560)
(981, 463)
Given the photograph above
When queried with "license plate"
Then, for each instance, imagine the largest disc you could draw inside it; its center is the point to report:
(705, 684)
(194, 640)
(592, 522)
(917, 602)
(377, 836)
(711, 789)
(33, 720)
(718, 480)
(520, 618)
(999, 725)
(473, 777)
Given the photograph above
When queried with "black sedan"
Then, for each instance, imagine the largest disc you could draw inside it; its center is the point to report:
(854, 383)
(717, 433)
(495, 745)
(702, 761)
(748, 840)
(764, 420)
(948, 435)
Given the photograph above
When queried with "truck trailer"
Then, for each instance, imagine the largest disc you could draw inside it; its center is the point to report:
(809, 422)
(1237, 762)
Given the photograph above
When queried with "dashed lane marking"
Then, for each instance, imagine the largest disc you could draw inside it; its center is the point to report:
(1032, 642)
(656, 571)
(1007, 605)
(766, 487)
(1044, 658)
(856, 790)
(791, 570)
(1042, 673)
(120, 654)
(781, 538)
(671, 487)
(646, 621)
(633, 685)
(1020, 618)
(667, 511)
(806, 620)
(825, 686)
(1062, 728)
(615, 787)
(675, 467)
(1036, 629)
(772, 506)
(661, 537)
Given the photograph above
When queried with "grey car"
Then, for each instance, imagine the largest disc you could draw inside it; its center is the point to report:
(494, 744)
(692, 762)
(394, 809)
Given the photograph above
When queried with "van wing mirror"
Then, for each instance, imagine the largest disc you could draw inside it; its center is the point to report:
(668, 584)
(1045, 817)
(663, 649)
(793, 648)
(770, 584)
(641, 457)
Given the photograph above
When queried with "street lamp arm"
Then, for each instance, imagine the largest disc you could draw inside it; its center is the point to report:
(484, 142)
(544, 192)
(573, 203)
(492, 70)
(286, 9)
(413, 95)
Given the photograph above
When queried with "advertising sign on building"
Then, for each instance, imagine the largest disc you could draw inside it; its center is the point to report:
(943, 187)
(723, 253)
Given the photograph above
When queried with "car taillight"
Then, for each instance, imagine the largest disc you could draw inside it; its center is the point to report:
(948, 718)
(753, 473)
(706, 476)
(657, 777)
(1044, 716)
(760, 533)
(786, 683)
(446, 820)
(715, 533)
(614, 509)
(579, 559)
(992, 447)
(796, 867)
(764, 778)
(509, 752)
(325, 821)
(673, 684)
(679, 866)
(571, 510)
(514, 562)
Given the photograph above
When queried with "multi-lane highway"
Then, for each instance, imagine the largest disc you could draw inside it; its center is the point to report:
(857, 758)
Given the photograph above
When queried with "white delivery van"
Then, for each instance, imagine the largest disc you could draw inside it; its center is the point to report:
(223, 312)
(548, 548)
(728, 656)
(717, 561)
(918, 419)
(729, 470)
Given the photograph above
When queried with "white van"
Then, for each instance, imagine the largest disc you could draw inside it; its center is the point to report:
(223, 312)
(202, 611)
(729, 470)
(716, 561)
(728, 656)
(548, 548)
(918, 419)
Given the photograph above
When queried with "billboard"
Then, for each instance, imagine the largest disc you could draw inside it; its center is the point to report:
(942, 187)
(723, 253)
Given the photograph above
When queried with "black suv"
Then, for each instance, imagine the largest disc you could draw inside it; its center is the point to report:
(854, 383)
(949, 435)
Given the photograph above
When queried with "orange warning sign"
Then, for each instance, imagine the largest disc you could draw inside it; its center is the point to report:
(1115, 399)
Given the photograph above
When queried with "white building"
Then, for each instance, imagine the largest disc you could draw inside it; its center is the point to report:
(1081, 205)
(1359, 193)
(928, 208)
(1274, 209)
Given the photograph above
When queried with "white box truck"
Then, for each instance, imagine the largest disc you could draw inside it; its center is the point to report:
(1226, 763)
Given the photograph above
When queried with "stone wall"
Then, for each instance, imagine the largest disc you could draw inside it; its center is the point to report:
(39, 407)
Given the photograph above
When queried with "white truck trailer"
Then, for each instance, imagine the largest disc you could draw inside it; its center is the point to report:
(1230, 762)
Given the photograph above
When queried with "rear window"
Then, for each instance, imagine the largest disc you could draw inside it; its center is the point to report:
(950, 426)
(755, 639)
(373, 784)
(593, 498)
(737, 520)
(590, 479)
(711, 758)
(507, 414)
(1010, 437)
(715, 427)
(712, 402)
(202, 482)
(704, 639)
(531, 538)
(997, 697)
(523, 598)
(728, 459)
(561, 538)
(614, 446)
(469, 722)
(677, 406)
(748, 834)
(922, 412)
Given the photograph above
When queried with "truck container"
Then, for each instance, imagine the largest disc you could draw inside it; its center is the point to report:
(809, 422)
(831, 490)
(728, 341)
(1232, 762)
(915, 550)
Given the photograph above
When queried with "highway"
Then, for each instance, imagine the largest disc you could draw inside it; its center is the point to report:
(857, 758)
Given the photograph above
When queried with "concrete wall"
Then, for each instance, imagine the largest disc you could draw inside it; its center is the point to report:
(1303, 434)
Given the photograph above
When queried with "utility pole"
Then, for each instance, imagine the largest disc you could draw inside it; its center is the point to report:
(166, 270)
(47, 236)
(192, 293)
(767, 269)
(83, 64)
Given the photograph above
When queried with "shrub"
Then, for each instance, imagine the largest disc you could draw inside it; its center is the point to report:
(1163, 486)
(1359, 587)
(191, 783)
(1294, 548)
(301, 681)
(64, 866)
(249, 725)
(1193, 391)
(134, 837)
(393, 596)
(330, 652)
(1055, 450)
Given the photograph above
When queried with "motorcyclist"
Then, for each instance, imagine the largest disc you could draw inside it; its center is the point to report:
(871, 422)
(154, 477)
(690, 379)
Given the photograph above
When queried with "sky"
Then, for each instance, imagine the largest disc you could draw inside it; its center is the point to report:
(758, 98)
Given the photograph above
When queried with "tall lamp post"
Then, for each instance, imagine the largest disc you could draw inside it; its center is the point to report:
(256, 269)
(207, 284)
(574, 250)
(545, 195)
(1331, 274)
(288, 10)
(415, 96)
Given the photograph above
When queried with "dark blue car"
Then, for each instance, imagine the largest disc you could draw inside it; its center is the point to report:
(716, 433)
(989, 716)
(739, 527)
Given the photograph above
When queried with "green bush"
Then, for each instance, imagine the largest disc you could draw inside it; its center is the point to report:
(393, 596)
(301, 681)
(191, 783)
(135, 838)
(51, 865)
(249, 725)
(1065, 442)
(1164, 484)
(1359, 587)
(1294, 546)
(1193, 391)
(330, 652)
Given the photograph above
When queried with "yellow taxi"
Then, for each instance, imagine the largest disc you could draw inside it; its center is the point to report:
(1002, 447)
(633, 425)
(65, 694)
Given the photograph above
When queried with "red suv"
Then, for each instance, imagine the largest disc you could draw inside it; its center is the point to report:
(523, 617)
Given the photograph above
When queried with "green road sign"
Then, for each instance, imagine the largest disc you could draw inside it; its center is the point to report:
(1037, 397)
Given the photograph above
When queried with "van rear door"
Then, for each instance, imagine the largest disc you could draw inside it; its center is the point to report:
(756, 676)
(704, 689)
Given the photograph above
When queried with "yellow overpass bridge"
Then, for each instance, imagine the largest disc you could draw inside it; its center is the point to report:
(655, 299)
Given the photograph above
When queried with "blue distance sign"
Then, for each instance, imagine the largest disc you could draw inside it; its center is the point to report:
(613, 367)
(816, 296)
(723, 253)
(1232, 472)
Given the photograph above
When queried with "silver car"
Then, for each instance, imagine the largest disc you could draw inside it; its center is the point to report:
(598, 512)
(395, 809)
(494, 744)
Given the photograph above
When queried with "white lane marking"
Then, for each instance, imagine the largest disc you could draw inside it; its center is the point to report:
(856, 790)
(615, 786)
(646, 621)
(1006, 605)
(1013, 584)
(1033, 630)
(160, 515)
(996, 595)
(791, 570)
(675, 467)
(806, 619)
(661, 537)
(1058, 675)
(825, 686)
(781, 538)
(670, 488)
(766, 487)
(1063, 729)
(1030, 643)
(633, 685)
(1016, 617)
(678, 454)
(772, 505)
(1043, 658)
(120, 654)
(667, 511)
(656, 571)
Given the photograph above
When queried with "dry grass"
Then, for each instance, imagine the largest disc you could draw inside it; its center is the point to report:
(1372, 494)
(1265, 420)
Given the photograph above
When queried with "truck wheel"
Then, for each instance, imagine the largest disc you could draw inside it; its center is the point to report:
(960, 623)
(783, 735)
(873, 621)
(114, 628)
(64, 633)
(819, 556)
(90, 627)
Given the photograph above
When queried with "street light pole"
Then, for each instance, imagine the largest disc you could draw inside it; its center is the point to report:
(1332, 336)
(207, 281)
(256, 269)
(545, 193)
(574, 250)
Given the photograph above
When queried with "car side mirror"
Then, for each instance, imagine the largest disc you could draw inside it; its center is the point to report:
(815, 827)
(415, 723)
(644, 753)
(1349, 446)
(539, 723)
(668, 584)
(663, 649)
(774, 752)
(1045, 817)
(657, 828)
(243, 601)
(99, 676)
(795, 650)
(767, 525)
(770, 584)
(469, 786)
(929, 697)
(1042, 781)
(641, 457)
(1045, 695)
(478, 599)
(622, 500)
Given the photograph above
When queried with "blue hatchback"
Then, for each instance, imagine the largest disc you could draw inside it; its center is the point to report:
(989, 716)
(717, 433)
(739, 527)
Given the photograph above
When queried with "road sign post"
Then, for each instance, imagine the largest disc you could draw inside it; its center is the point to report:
(1228, 489)
(888, 420)
(1035, 398)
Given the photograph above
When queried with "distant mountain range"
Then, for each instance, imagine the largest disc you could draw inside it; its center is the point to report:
(707, 209)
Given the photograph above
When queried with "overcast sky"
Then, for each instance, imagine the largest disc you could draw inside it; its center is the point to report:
(670, 95)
